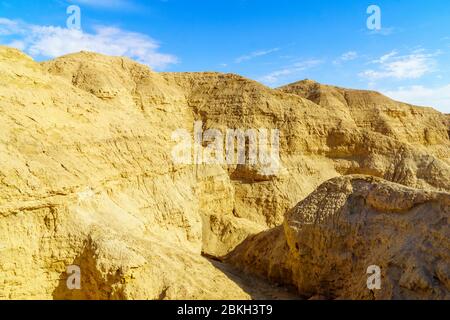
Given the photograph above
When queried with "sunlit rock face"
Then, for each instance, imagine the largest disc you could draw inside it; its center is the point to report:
(349, 227)
(88, 178)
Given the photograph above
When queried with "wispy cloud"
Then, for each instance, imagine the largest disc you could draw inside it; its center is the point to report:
(255, 54)
(348, 56)
(437, 97)
(51, 42)
(401, 67)
(277, 76)
(8, 27)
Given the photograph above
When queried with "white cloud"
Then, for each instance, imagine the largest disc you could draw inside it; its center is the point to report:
(276, 76)
(8, 27)
(17, 44)
(51, 42)
(255, 54)
(436, 97)
(351, 55)
(393, 66)
(348, 56)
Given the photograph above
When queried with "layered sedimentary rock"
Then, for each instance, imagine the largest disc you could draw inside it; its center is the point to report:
(88, 181)
(87, 174)
(421, 127)
(317, 142)
(330, 239)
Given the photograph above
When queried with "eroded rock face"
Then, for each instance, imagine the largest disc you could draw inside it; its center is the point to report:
(370, 109)
(87, 178)
(87, 175)
(330, 239)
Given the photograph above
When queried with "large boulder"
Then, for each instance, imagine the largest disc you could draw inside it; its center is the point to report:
(349, 226)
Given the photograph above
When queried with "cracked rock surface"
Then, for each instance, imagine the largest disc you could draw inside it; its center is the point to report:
(87, 178)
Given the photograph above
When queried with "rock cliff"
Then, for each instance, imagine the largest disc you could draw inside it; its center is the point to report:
(330, 239)
(87, 178)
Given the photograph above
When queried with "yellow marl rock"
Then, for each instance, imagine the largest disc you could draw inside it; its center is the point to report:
(329, 240)
(87, 176)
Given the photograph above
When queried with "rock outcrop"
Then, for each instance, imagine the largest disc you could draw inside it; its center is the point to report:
(88, 180)
(419, 126)
(330, 239)
(87, 174)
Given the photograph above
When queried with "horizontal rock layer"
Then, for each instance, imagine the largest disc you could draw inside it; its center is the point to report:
(87, 175)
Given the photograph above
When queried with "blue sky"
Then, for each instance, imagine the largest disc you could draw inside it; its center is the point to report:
(274, 42)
